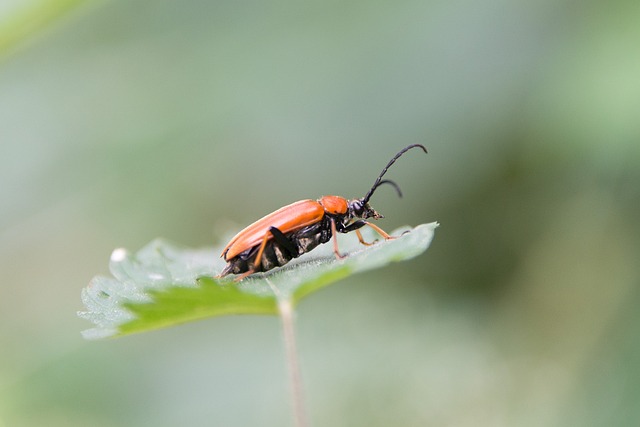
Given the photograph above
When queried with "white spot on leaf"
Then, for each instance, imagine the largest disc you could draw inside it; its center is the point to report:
(119, 255)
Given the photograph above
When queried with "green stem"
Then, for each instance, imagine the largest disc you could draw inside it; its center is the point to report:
(286, 311)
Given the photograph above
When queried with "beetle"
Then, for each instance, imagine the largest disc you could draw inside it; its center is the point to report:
(298, 228)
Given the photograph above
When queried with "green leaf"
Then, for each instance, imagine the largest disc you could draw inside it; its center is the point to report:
(164, 284)
(30, 17)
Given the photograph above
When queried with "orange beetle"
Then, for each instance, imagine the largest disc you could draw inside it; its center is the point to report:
(293, 230)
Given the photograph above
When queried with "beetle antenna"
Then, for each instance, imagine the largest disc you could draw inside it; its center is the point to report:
(393, 184)
(380, 181)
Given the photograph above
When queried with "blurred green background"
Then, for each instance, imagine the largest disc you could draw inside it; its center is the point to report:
(122, 121)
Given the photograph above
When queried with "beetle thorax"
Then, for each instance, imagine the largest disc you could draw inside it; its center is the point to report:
(334, 205)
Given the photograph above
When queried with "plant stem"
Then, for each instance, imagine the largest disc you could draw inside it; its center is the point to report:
(285, 308)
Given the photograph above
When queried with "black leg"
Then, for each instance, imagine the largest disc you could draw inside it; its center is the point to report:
(282, 240)
(354, 226)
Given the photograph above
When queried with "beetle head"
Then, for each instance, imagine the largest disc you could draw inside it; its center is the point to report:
(358, 208)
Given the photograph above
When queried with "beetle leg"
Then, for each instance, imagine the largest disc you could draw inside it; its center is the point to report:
(283, 241)
(334, 233)
(361, 239)
(379, 230)
(246, 273)
(257, 259)
(355, 226)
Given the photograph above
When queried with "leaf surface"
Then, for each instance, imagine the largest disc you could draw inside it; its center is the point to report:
(164, 284)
